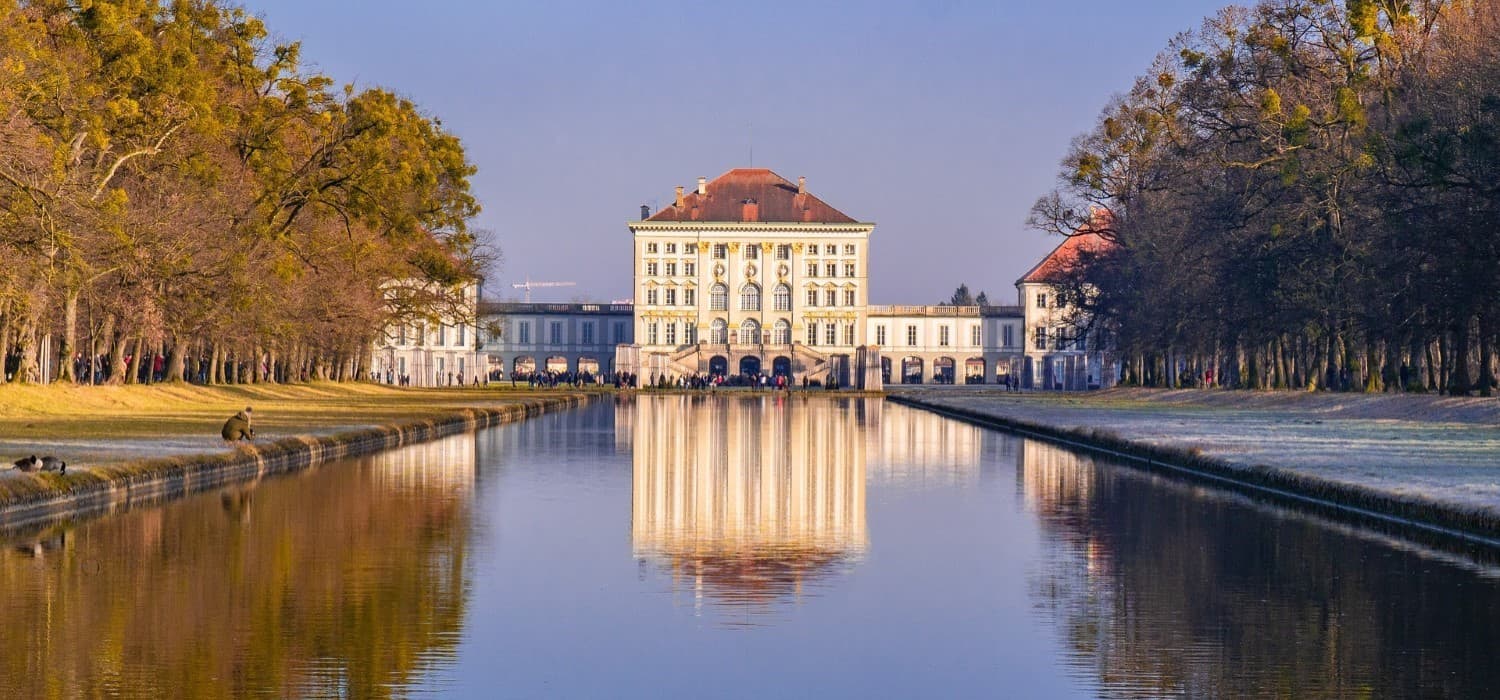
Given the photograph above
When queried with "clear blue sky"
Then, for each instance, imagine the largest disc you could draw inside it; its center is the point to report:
(942, 121)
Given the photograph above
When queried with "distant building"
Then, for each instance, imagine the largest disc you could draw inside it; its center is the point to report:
(1062, 353)
(946, 344)
(750, 273)
(438, 351)
(527, 337)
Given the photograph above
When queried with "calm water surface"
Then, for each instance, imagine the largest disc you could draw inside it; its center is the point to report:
(743, 547)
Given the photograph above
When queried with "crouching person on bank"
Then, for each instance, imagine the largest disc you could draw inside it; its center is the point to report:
(238, 427)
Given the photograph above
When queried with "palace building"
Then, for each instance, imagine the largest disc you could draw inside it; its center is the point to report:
(750, 273)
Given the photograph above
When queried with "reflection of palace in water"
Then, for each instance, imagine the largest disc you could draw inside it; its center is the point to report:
(751, 497)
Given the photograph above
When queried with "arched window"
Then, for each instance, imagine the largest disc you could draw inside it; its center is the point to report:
(718, 298)
(782, 298)
(750, 332)
(718, 332)
(781, 333)
(750, 298)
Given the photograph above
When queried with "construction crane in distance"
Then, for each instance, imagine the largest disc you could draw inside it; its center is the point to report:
(528, 285)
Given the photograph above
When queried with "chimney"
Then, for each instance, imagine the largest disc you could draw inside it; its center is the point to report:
(750, 211)
(645, 212)
(801, 185)
(679, 195)
(702, 185)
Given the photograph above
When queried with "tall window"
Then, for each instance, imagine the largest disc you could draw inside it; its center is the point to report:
(672, 333)
(911, 336)
(401, 335)
(782, 299)
(651, 268)
(523, 332)
(880, 335)
(651, 333)
(849, 334)
(721, 251)
(421, 334)
(943, 335)
(651, 297)
(848, 269)
(831, 333)
(812, 269)
(1008, 335)
(557, 336)
(463, 335)
(752, 251)
(690, 269)
(690, 333)
(812, 297)
(671, 296)
(671, 268)
(783, 252)
(442, 334)
(588, 332)
(832, 269)
(749, 332)
(718, 332)
(848, 297)
(690, 297)
(812, 334)
(1040, 341)
(1041, 301)
(976, 335)
(750, 298)
(830, 297)
(718, 298)
(781, 334)
(619, 332)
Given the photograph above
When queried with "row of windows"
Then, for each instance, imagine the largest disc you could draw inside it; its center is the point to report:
(654, 296)
(830, 269)
(1061, 339)
(418, 333)
(976, 335)
(557, 336)
(830, 297)
(749, 298)
(688, 267)
(830, 333)
(752, 250)
(749, 333)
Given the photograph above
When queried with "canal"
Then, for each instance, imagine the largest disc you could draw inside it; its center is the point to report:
(736, 547)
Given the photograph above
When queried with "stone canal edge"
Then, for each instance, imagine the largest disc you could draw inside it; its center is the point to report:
(116, 488)
(1429, 521)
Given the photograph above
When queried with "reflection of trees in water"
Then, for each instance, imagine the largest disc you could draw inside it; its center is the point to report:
(746, 500)
(347, 580)
(1162, 588)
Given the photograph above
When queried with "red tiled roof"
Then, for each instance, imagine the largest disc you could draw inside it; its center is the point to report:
(1061, 261)
(751, 194)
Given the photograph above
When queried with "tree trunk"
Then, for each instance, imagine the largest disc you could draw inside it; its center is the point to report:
(69, 347)
(176, 362)
(133, 368)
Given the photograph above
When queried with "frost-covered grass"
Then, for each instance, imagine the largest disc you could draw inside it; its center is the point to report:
(90, 427)
(1436, 449)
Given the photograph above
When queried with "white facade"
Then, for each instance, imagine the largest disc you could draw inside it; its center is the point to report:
(946, 344)
(521, 338)
(439, 351)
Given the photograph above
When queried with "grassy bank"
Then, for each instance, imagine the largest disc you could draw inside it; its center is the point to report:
(132, 434)
(1433, 460)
